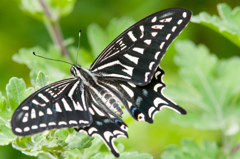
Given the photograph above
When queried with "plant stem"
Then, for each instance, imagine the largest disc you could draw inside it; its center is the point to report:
(54, 29)
(235, 148)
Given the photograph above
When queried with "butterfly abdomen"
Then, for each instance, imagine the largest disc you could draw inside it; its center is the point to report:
(106, 97)
(112, 102)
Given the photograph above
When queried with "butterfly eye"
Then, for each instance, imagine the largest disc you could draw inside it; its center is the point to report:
(72, 70)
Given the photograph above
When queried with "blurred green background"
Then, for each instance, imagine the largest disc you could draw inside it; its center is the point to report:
(19, 30)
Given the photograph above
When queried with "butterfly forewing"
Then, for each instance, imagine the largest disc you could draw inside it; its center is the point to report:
(135, 54)
(59, 105)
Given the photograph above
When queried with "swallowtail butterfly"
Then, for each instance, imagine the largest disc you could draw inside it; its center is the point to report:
(126, 72)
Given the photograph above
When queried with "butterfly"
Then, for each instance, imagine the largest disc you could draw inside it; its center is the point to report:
(127, 73)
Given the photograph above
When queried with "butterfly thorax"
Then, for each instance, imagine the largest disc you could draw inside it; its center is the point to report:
(99, 93)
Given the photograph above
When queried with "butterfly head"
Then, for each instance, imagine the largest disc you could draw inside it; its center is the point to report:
(75, 69)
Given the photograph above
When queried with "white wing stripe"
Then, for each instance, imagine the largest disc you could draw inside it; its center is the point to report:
(138, 50)
(43, 97)
(66, 106)
(141, 27)
(132, 58)
(128, 90)
(131, 36)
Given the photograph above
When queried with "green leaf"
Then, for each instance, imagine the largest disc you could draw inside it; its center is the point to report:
(73, 154)
(27, 146)
(61, 142)
(95, 148)
(135, 155)
(206, 88)
(125, 155)
(58, 8)
(99, 39)
(32, 8)
(17, 92)
(98, 150)
(6, 135)
(75, 140)
(4, 115)
(189, 150)
(228, 24)
(63, 7)
(42, 79)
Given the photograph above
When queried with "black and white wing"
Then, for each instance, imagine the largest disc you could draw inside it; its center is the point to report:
(142, 102)
(106, 124)
(61, 104)
(136, 53)
(127, 69)
(67, 104)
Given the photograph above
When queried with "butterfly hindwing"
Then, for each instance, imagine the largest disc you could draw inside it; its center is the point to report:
(143, 102)
(135, 54)
(59, 105)
(106, 124)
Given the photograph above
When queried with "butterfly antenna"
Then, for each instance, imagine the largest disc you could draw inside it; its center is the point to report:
(51, 59)
(79, 37)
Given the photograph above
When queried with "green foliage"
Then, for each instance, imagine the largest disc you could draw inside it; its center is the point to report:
(99, 151)
(54, 70)
(58, 8)
(6, 135)
(53, 143)
(42, 79)
(3, 109)
(211, 89)
(208, 87)
(189, 150)
(228, 24)
(16, 93)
